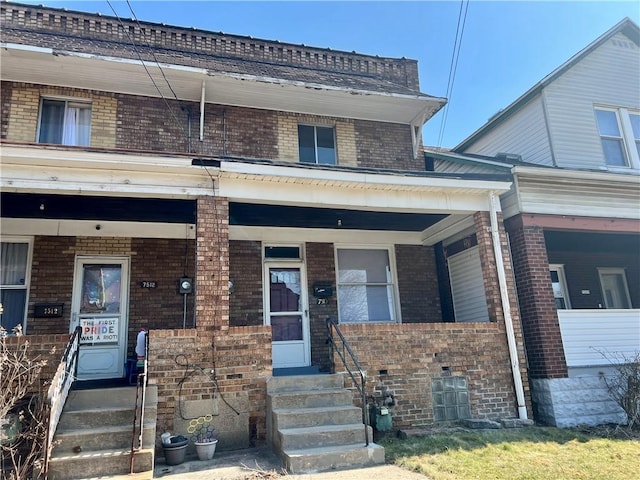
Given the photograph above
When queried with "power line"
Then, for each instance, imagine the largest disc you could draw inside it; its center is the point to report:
(455, 54)
(135, 48)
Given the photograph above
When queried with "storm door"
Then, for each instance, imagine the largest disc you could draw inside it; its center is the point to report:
(100, 307)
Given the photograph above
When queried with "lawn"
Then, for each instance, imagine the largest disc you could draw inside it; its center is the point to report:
(527, 453)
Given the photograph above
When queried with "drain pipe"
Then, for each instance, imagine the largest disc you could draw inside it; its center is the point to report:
(506, 306)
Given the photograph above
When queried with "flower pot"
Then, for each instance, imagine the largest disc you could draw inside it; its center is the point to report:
(175, 451)
(205, 450)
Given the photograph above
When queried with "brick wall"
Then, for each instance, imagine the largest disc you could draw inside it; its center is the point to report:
(418, 284)
(537, 305)
(405, 358)
(385, 145)
(181, 363)
(245, 271)
(320, 269)
(158, 260)
(168, 39)
(212, 274)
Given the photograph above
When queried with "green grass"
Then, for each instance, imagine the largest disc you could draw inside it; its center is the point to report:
(535, 453)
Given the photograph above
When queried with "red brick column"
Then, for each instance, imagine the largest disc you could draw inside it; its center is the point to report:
(212, 264)
(537, 305)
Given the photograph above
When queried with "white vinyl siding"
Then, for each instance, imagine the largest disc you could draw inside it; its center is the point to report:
(588, 334)
(523, 133)
(587, 198)
(467, 286)
(608, 76)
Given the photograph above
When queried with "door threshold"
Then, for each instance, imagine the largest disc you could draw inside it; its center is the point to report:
(104, 383)
(285, 372)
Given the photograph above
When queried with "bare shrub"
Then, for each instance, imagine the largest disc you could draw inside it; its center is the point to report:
(21, 394)
(624, 385)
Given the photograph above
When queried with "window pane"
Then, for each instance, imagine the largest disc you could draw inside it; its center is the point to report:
(360, 266)
(51, 121)
(614, 289)
(635, 125)
(285, 290)
(284, 328)
(13, 304)
(364, 303)
(614, 152)
(101, 289)
(326, 148)
(13, 263)
(306, 144)
(608, 123)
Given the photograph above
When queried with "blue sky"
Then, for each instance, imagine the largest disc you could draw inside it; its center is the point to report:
(507, 46)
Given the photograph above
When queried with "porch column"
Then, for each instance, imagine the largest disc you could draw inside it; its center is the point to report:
(537, 305)
(212, 264)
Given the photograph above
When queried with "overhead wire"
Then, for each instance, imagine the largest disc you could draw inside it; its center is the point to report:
(453, 67)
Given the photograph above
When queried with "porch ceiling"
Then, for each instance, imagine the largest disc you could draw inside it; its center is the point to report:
(246, 214)
(23, 63)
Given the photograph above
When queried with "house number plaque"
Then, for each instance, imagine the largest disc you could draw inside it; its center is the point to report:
(148, 284)
(48, 310)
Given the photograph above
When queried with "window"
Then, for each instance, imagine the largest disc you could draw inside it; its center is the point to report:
(65, 122)
(365, 286)
(316, 144)
(559, 285)
(14, 260)
(620, 136)
(615, 291)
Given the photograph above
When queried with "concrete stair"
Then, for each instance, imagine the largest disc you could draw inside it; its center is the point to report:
(93, 438)
(313, 425)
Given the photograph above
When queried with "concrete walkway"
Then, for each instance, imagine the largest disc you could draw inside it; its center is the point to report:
(261, 463)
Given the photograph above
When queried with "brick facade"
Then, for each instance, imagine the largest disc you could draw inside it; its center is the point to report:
(537, 305)
(418, 284)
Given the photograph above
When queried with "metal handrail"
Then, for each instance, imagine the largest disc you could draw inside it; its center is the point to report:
(59, 391)
(141, 393)
(361, 374)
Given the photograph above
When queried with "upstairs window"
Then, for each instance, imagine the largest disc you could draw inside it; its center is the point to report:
(14, 260)
(65, 122)
(317, 144)
(619, 130)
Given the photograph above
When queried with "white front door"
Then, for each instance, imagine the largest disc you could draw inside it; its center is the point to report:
(100, 306)
(287, 313)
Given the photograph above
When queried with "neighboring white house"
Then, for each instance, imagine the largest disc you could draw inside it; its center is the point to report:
(572, 144)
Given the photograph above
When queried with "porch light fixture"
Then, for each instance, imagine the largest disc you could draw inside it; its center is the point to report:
(230, 287)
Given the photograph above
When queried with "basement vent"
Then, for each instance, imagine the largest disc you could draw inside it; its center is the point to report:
(450, 399)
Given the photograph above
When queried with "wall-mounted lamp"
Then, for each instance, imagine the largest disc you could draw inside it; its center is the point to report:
(230, 287)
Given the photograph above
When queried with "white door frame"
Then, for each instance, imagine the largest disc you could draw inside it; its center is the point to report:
(99, 358)
(303, 355)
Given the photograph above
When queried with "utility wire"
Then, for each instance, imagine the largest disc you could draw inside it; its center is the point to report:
(455, 54)
(135, 48)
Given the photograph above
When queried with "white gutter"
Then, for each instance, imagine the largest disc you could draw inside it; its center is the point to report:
(570, 175)
(506, 306)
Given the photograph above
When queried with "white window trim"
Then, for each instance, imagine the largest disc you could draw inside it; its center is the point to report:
(27, 280)
(315, 139)
(614, 270)
(559, 268)
(628, 139)
(391, 253)
(68, 100)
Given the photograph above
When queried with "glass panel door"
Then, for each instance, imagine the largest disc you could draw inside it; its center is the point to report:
(100, 308)
(287, 316)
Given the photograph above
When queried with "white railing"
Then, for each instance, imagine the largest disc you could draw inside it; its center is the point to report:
(599, 337)
(58, 392)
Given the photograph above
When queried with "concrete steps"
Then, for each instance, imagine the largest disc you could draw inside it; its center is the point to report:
(313, 425)
(93, 438)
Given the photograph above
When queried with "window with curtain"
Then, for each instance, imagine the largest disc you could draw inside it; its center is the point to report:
(65, 123)
(13, 283)
(365, 286)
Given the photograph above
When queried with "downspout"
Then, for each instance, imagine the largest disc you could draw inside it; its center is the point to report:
(506, 306)
(202, 113)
